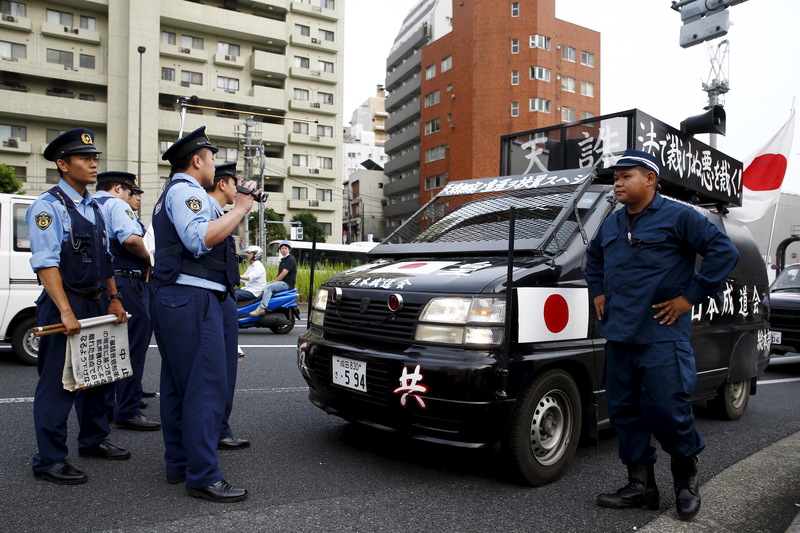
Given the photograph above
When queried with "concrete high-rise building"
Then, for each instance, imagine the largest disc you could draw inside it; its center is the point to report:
(118, 67)
(464, 72)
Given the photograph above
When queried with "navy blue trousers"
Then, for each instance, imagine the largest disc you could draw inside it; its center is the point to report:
(52, 404)
(230, 321)
(648, 387)
(188, 324)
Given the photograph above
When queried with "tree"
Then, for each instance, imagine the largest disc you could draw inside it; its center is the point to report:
(274, 231)
(8, 180)
(310, 226)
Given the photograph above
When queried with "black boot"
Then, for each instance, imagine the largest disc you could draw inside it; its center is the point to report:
(687, 491)
(641, 490)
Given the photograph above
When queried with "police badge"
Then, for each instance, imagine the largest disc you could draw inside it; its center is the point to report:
(43, 220)
(194, 204)
(130, 213)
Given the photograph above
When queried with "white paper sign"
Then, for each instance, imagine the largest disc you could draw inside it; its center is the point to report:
(97, 355)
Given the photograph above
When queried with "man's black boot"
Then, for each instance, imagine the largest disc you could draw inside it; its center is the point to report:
(687, 490)
(641, 490)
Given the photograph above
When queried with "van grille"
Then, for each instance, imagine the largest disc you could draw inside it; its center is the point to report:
(367, 316)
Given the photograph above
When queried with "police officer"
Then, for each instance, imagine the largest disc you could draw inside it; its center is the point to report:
(71, 260)
(194, 275)
(131, 268)
(223, 192)
(640, 269)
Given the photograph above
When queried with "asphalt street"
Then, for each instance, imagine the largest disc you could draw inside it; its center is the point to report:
(308, 471)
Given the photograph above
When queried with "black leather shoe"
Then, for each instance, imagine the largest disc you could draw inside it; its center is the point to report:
(221, 492)
(175, 480)
(641, 491)
(687, 489)
(106, 450)
(149, 393)
(63, 473)
(232, 443)
(138, 423)
(142, 405)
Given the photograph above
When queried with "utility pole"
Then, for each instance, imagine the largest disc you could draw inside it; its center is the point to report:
(717, 84)
(250, 137)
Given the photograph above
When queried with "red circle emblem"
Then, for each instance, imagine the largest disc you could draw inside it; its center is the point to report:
(556, 313)
(765, 173)
(411, 265)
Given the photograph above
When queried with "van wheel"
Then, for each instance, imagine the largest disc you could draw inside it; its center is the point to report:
(24, 345)
(731, 400)
(545, 428)
(288, 327)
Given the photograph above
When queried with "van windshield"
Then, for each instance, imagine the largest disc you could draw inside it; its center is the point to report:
(788, 280)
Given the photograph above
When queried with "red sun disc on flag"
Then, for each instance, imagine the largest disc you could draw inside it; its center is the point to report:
(412, 265)
(556, 313)
(765, 173)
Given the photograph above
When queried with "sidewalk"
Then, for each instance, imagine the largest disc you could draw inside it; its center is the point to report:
(768, 475)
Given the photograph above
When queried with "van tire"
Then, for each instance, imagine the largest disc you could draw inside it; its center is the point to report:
(545, 428)
(731, 400)
(24, 345)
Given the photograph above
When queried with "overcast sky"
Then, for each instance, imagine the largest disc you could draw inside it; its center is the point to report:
(642, 64)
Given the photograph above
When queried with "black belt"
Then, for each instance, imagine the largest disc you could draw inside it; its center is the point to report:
(128, 274)
(89, 295)
(221, 295)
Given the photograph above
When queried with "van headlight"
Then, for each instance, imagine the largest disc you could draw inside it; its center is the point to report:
(318, 307)
(477, 321)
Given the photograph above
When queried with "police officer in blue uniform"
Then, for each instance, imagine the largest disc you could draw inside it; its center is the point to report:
(640, 269)
(131, 269)
(194, 275)
(72, 262)
(223, 192)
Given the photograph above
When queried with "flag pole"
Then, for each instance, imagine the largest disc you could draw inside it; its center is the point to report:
(775, 214)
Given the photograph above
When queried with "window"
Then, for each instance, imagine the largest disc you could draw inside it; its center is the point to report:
(568, 84)
(586, 114)
(301, 94)
(435, 154)
(325, 98)
(299, 160)
(300, 127)
(14, 9)
(327, 4)
(88, 23)
(168, 37)
(568, 53)
(514, 46)
(301, 29)
(228, 50)
(325, 162)
(325, 66)
(434, 182)
(514, 77)
(7, 130)
(447, 63)
(13, 50)
(587, 89)
(228, 155)
(60, 17)
(514, 109)
(51, 175)
(324, 131)
(540, 73)
(86, 61)
(568, 114)
(167, 74)
(302, 62)
(21, 173)
(50, 135)
(539, 105)
(430, 72)
(587, 59)
(59, 57)
(514, 9)
(325, 35)
(325, 195)
(432, 126)
(299, 193)
(432, 98)
(540, 41)
(191, 78)
(163, 146)
(187, 41)
(229, 85)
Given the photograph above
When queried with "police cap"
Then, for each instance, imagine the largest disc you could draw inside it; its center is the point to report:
(77, 141)
(123, 178)
(637, 158)
(188, 144)
(225, 169)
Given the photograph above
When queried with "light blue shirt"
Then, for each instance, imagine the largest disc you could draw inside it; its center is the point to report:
(121, 221)
(49, 224)
(190, 209)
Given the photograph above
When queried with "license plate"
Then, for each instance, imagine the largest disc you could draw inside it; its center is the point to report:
(776, 337)
(349, 373)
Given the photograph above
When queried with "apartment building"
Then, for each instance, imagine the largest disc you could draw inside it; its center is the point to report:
(120, 67)
(464, 72)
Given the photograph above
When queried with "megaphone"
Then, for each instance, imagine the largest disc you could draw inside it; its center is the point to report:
(712, 121)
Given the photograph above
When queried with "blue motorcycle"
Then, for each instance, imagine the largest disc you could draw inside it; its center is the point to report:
(280, 316)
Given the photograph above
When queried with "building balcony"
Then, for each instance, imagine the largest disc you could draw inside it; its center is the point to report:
(70, 33)
(314, 11)
(406, 208)
(312, 140)
(15, 146)
(310, 172)
(405, 70)
(403, 94)
(407, 160)
(73, 110)
(409, 183)
(310, 205)
(186, 54)
(416, 40)
(314, 43)
(214, 20)
(267, 65)
(312, 107)
(272, 5)
(397, 141)
(229, 61)
(402, 117)
(313, 75)
(9, 22)
(269, 98)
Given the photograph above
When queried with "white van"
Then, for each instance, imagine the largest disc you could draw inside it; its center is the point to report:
(19, 287)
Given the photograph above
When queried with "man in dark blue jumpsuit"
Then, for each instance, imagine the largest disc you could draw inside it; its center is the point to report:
(131, 269)
(71, 259)
(194, 274)
(640, 269)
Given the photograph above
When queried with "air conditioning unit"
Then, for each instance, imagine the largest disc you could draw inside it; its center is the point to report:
(314, 170)
(314, 40)
(184, 50)
(313, 203)
(185, 84)
(9, 18)
(314, 104)
(316, 73)
(12, 142)
(230, 58)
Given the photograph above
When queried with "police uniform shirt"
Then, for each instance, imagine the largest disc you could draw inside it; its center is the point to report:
(190, 209)
(121, 221)
(50, 224)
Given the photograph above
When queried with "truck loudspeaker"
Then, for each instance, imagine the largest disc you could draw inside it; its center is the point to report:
(712, 121)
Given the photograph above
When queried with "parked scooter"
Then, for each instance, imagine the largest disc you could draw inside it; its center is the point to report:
(280, 316)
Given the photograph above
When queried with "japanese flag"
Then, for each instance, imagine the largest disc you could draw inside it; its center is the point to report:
(552, 314)
(763, 175)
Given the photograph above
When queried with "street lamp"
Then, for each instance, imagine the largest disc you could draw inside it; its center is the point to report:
(141, 51)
